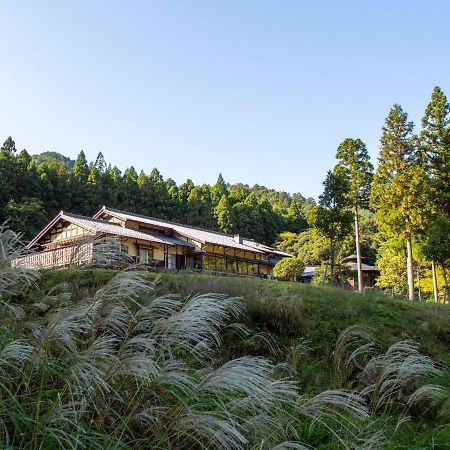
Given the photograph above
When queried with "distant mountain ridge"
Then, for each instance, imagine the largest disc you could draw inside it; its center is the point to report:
(61, 159)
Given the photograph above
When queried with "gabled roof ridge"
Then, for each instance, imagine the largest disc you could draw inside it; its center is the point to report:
(79, 216)
(45, 229)
(105, 208)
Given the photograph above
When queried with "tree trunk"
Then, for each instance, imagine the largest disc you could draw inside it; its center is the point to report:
(325, 274)
(435, 286)
(409, 267)
(358, 252)
(419, 288)
(331, 263)
(445, 284)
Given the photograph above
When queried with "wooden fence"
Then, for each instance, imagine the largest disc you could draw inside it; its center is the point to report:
(60, 257)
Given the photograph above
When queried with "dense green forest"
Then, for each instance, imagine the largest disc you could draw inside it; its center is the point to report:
(35, 188)
(397, 216)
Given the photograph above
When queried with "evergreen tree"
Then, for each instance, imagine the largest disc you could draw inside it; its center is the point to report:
(219, 190)
(100, 163)
(224, 215)
(355, 163)
(93, 190)
(436, 144)
(398, 191)
(9, 176)
(9, 146)
(130, 195)
(295, 218)
(81, 168)
(24, 159)
(199, 207)
(239, 192)
(270, 222)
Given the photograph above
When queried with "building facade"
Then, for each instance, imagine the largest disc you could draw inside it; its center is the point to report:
(73, 239)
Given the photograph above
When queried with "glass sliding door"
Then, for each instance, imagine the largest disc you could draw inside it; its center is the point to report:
(171, 261)
(145, 255)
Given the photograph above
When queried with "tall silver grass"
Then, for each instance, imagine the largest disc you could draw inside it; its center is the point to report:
(123, 368)
(144, 374)
(13, 280)
(390, 380)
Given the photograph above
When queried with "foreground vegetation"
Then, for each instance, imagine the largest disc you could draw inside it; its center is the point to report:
(104, 359)
(95, 358)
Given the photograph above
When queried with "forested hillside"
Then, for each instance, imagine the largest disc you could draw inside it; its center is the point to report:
(35, 188)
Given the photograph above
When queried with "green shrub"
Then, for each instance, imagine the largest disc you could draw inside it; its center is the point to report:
(289, 269)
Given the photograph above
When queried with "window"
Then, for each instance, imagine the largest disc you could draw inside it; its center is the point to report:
(221, 265)
(145, 255)
(171, 261)
(242, 267)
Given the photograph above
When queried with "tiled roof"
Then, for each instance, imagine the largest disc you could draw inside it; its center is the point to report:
(350, 257)
(102, 226)
(198, 234)
(264, 248)
(365, 267)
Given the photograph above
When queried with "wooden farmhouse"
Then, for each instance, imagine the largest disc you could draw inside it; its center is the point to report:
(370, 273)
(72, 239)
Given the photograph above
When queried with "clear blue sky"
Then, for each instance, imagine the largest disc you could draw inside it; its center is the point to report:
(261, 91)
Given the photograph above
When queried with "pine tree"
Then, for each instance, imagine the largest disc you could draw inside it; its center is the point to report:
(355, 163)
(9, 146)
(398, 191)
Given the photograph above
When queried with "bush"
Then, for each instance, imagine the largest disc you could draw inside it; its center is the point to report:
(289, 269)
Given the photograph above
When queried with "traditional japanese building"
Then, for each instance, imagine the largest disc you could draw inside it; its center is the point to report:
(370, 273)
(72, 239)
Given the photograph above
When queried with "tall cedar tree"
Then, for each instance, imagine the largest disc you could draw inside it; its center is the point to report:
(333, 218)
(295, 217)
(398, 193)
(219, 190)
(435, 138)
(354, 161)
(224, 215)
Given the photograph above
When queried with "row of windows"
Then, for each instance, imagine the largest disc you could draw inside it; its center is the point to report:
(219, 264)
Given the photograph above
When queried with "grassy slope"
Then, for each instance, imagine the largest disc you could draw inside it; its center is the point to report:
(293, 311)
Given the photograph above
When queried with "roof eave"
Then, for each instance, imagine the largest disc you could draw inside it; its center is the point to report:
(44, 230)
(50, 225)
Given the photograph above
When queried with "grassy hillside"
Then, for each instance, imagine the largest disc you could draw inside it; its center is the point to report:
(312, 316)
